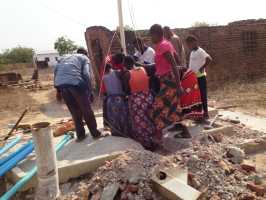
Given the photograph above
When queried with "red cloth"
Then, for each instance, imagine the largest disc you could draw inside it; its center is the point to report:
(163, 66)
(117, 66)
(191, 103)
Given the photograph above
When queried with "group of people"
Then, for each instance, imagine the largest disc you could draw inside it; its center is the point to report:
(143, 93)
(146, 92)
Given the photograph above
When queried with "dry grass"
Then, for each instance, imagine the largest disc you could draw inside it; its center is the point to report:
(249, 96)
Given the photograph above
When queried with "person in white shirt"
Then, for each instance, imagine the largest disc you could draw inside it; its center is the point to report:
(198, 61)
(144, 54)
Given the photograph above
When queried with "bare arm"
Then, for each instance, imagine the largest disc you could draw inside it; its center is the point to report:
(178, 47)
(170, 58)
(208, 61)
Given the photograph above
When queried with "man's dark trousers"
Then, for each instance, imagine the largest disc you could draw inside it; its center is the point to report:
(78, 103)
(204, 95)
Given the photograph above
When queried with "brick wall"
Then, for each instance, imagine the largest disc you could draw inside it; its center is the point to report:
(238, 49)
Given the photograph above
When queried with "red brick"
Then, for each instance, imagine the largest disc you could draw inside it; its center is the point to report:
(248, 168)
(132, 188)
(256, 188)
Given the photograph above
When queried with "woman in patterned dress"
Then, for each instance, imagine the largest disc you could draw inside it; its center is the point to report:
(116, 109)
(166, 109)
(140, 99)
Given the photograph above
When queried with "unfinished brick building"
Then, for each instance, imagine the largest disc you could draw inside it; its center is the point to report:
(238, 49)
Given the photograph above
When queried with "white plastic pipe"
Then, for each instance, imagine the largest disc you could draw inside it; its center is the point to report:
(121, 26)
(47, 171)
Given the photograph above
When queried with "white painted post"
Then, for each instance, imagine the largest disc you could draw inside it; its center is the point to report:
(47, 173)
(121, 26)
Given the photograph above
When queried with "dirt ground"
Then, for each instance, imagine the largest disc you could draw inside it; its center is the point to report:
(41, 103)
(248, 97)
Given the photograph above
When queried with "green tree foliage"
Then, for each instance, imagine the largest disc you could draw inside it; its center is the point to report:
(64, 45)
(126, 28)
(17, 55)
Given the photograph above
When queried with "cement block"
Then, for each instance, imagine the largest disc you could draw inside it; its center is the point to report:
(173, 188)
(179, 173)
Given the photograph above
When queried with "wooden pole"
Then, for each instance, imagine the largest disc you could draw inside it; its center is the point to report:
(47, 172)
(121, 26)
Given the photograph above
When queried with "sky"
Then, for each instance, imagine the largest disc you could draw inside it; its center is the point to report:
(38, 23)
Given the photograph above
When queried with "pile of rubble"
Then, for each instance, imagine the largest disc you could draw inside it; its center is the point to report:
(219, 172)
(130, 173)
(216, 168)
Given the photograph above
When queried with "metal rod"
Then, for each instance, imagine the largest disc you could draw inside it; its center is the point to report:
(16, 125)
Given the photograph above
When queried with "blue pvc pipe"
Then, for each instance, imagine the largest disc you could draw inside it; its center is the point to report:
(10, 156)
(10, 164)
(10, 145)
(12, 191)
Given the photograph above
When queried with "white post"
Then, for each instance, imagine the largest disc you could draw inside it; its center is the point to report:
(121, 26)
(47, 172)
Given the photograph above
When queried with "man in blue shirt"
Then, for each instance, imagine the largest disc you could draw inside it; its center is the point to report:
(73, 82)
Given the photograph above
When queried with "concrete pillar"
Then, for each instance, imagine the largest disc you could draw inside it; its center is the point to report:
(47, 173)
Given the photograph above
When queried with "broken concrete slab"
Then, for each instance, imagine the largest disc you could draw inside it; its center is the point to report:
(172, 143)
(77, 159)
(110, 191)
(173, 188)
(212, 112)
(253, 146)
(252, 122)
(258, 161)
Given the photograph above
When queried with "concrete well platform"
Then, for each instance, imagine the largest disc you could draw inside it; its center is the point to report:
(77, 159)
(197, 131)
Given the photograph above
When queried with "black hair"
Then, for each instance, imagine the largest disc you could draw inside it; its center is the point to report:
(156, 29)
(108, 67)
(191, 38)
(82, 50)
(129, 62)
(118, 58)
(167, 28)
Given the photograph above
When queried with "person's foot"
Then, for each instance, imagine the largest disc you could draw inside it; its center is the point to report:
(176, 127)
(80, 139)
(206, 116)
(96, 134)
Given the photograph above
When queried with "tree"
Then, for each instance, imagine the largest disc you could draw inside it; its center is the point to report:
(200, 24)
(64, 46)
(17, 55)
